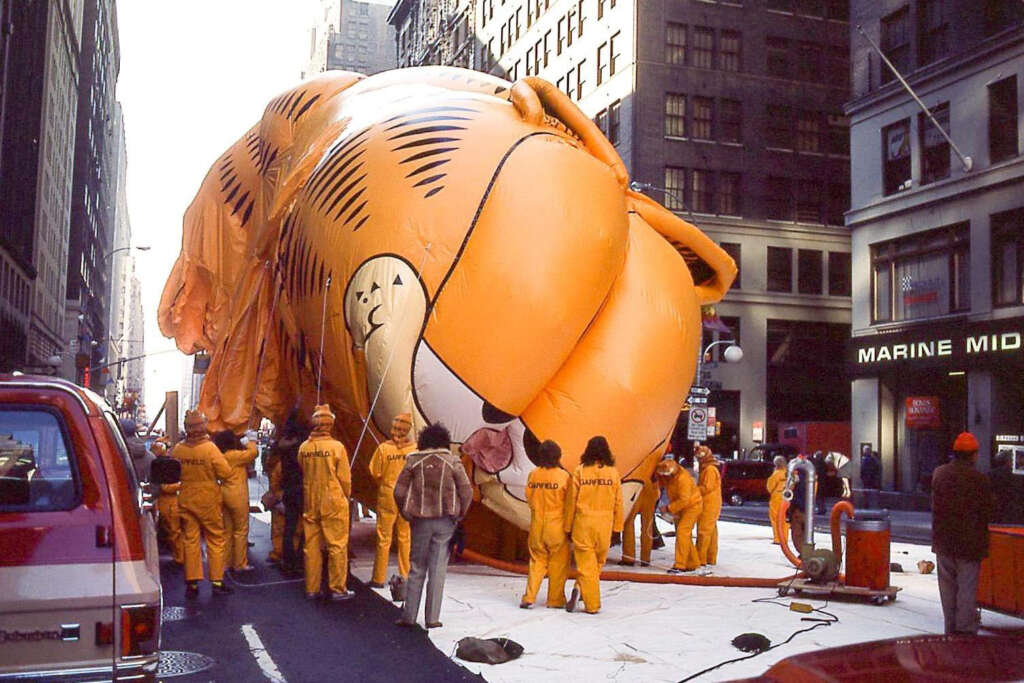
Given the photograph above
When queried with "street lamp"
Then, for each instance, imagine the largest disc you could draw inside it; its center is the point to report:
(732, 354)
(114, 251)
(637, 186)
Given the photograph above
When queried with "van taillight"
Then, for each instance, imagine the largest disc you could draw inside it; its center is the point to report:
(139, 628)
(104, 633)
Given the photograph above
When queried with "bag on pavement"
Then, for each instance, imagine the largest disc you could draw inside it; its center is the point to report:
(488, 651)
(397, 585)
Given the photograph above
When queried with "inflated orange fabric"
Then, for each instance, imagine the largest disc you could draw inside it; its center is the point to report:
(480, 260)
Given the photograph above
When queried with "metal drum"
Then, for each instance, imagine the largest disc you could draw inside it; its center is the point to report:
(867, 553)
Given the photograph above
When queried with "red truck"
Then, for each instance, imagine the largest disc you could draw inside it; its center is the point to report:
(808, 437)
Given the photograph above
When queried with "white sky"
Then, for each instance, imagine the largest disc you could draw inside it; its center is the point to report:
(195, 75)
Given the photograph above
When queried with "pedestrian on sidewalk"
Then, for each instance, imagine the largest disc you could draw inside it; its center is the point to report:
(546, 493)
(386, 464)
(292, 436)
(776, 485)
(327, 485)
(870, 469)
(433, 493)
(593, 515)
(684, 506)
(961, 509)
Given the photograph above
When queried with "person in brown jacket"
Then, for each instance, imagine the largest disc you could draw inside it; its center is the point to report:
(432, 492)
(961, 507)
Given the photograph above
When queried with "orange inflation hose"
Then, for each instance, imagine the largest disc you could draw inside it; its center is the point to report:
(636, 577)
(780, 521)
(837, 536)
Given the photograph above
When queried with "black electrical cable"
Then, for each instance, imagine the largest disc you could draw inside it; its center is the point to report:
(772, 601)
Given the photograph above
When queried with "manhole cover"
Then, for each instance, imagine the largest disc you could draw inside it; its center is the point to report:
(178, 613)
(177, 663)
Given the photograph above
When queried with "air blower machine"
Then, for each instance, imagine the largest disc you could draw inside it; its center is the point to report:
(867, 548)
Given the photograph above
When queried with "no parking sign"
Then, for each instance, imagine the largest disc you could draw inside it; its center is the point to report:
(697, 426)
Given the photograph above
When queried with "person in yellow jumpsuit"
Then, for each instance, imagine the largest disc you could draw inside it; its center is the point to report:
(593, 513)
(234, 492)
(644, 508)
(546, 492)
(709, 481)
(199, 505)
(776, 485)
(385, 465)
(326, 487)
(684, 505)
(167, 507)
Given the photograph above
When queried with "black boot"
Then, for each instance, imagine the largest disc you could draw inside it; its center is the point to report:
(192, 589)
(221, 588)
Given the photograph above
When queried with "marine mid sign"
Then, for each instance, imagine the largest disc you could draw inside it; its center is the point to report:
(955, 346)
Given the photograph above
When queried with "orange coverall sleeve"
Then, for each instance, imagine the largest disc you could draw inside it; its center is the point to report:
(220, 464)
(617, 520)
(377, 465)
(342, 470)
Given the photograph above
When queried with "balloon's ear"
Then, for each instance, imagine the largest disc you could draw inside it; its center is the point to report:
(712, 269)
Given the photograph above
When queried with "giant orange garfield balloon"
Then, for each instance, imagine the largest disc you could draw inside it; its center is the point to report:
(443, 243)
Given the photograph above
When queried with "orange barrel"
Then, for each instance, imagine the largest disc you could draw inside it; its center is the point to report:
(867, 553)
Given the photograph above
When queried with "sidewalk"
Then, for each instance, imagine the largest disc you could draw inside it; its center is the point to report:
(907, 526)
(655, 632)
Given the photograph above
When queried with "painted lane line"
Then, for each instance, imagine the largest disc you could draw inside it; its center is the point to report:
(266, 664)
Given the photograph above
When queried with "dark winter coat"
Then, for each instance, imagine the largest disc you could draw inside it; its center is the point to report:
(961, 510)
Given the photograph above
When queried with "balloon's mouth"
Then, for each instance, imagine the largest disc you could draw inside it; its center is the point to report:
(490, 449)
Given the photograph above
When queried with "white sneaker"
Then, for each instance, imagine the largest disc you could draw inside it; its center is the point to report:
(704, 571)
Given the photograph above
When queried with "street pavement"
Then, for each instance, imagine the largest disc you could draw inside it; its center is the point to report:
(267, 630)
(905, 525)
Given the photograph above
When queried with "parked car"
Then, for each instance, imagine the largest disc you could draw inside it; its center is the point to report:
(80, 594)
(744, 480)
(766, 452)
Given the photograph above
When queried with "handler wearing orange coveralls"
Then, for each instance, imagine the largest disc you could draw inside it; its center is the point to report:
(199, 505)
(235, 495)
(385, 466)
(593, 513)
(546, 492)
(644, 507)
(709, 481)
(326, 486)
(684, 504)
(167, 507)
(776, 485)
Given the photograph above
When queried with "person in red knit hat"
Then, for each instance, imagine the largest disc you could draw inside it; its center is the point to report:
(961, 507)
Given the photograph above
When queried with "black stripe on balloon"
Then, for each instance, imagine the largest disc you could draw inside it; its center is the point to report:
(424, 130)
(238, 204)
(360, 223)
(427, 153)
(434, 191)
(345, 190)
(248, 211)
(427, 119)
(431, 179)
(334, 182)
(426, 141)
(351, 200)
(234, 191)
(298, 99)
(427, 167)
(334, 157)
(307, 105)
(430, 110)
(355, 212)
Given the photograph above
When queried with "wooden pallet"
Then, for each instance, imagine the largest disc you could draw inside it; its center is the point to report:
(806, 586)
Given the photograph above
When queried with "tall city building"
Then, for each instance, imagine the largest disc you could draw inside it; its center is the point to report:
(937, 223)
(95, 194)
(730, 113)
(121, 271)
(364, 41)
(39, 78)
(436, 32)
(134, 377)
(326, 22)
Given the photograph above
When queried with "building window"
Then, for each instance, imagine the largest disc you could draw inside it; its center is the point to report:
(729, 54)
(808, 131)
(922, 276)
(934, 148)
(733, 249)
(1008, 257)
(581, 79)
(675, 43)
(780, 198)
(547, 47)
(582, 14)
(703, 115)
(529, 61)
(602, 63)
(703, 191)
(780, 127)
(614, 60)
(601, 121)
(808, 62)
(777, 50)
(561, 35)
(837, 202)
(730, 121)
(1002, 119)
(808, 271)
(703, 47)
(729, 194)
(600, 9)
(675, 188)
(570, 26)
(519, 22)
(838, 135)
(932, 31)
(613, 122)
(780, 269)
(896, 43)
(675, 115)
(896, 145)
(838, 273)
(808, 201)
